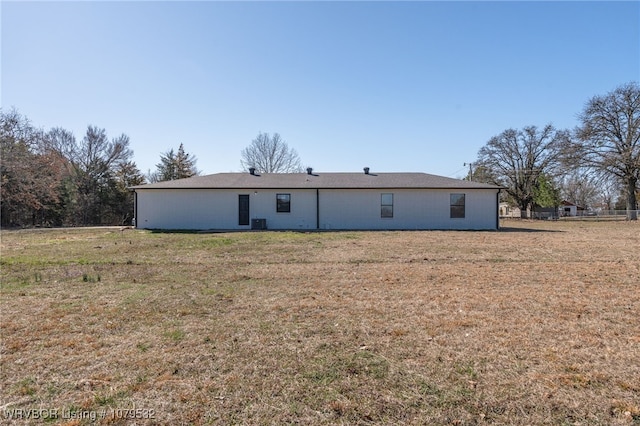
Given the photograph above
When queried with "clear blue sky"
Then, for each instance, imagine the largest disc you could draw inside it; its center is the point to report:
(396, 86)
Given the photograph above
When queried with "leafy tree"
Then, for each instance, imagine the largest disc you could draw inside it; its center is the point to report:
(51, 179)
(609, 139)
(516, 160)
(174, 166)
(29, 178)
(15, 136)
(270, 154)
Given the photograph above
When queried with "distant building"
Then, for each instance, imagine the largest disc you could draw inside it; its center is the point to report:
(507, 210)
(567, 208)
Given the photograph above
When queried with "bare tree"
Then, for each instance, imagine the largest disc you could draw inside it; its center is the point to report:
(94, 163)
(609, 188)
(609, 138)
(582, 188)
(516, 159)
(61, 142)
(270, 154)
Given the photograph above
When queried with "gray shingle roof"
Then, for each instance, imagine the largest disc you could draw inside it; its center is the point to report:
(316, 181)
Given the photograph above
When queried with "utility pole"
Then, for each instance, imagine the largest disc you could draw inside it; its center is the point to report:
(470, 170)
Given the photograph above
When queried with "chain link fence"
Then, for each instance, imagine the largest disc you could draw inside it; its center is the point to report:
(600, 214)
(553, 214)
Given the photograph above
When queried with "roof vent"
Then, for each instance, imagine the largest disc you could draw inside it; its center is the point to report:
(252, 170)
(309, 171)
(366, 170)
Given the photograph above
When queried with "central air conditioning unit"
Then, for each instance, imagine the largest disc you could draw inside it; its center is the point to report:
(259, 224)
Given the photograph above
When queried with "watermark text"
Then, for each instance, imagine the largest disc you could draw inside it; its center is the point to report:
(77, 414)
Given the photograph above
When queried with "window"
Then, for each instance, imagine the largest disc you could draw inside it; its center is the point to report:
(457, 206)
(283, 203)
(386, 205)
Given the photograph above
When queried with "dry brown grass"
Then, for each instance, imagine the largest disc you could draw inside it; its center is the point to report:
(535, 324)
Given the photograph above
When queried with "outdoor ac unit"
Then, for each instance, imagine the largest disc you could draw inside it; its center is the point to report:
(258, 223)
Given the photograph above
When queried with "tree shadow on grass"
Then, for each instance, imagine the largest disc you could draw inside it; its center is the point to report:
(513, 229)
(174, 231)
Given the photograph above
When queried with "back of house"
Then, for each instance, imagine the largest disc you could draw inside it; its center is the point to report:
(317, 201)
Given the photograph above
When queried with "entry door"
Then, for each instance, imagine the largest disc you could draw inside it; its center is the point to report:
(243, 209)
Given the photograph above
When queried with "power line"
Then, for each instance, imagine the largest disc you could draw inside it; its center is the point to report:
(455, 173)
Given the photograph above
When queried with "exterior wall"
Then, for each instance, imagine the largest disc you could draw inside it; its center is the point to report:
(412, 209)
(339, 209)
(303, 209)
(186, 209)
(218, 209)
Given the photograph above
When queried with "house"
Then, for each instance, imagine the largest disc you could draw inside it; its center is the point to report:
(567, 208)
(316, 201)
(508, 210)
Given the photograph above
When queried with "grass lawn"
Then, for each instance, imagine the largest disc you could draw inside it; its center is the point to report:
(536, 324)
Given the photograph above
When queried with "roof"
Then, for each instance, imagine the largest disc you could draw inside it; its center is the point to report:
(317, 181)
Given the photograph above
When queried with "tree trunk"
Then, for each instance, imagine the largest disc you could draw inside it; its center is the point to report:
(632, 204)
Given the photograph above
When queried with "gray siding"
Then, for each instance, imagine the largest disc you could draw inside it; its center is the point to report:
(339, 209)
(412, 209)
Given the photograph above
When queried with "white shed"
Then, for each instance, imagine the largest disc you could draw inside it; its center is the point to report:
(567, 208)
(317, 201)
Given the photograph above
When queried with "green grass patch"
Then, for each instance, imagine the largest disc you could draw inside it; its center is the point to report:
(175, 334)
(337, 366)
(91, 278)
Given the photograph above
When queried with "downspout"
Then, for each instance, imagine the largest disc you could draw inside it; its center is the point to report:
(498, 209)
(317, 208)
(135, 209)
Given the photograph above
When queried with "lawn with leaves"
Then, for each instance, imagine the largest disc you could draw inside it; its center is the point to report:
(538, 323)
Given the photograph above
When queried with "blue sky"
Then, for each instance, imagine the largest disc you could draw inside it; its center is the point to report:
(396, 86)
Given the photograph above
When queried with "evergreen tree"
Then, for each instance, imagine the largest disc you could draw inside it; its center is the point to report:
(546, 193)
(126, 175)
(174, 166)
